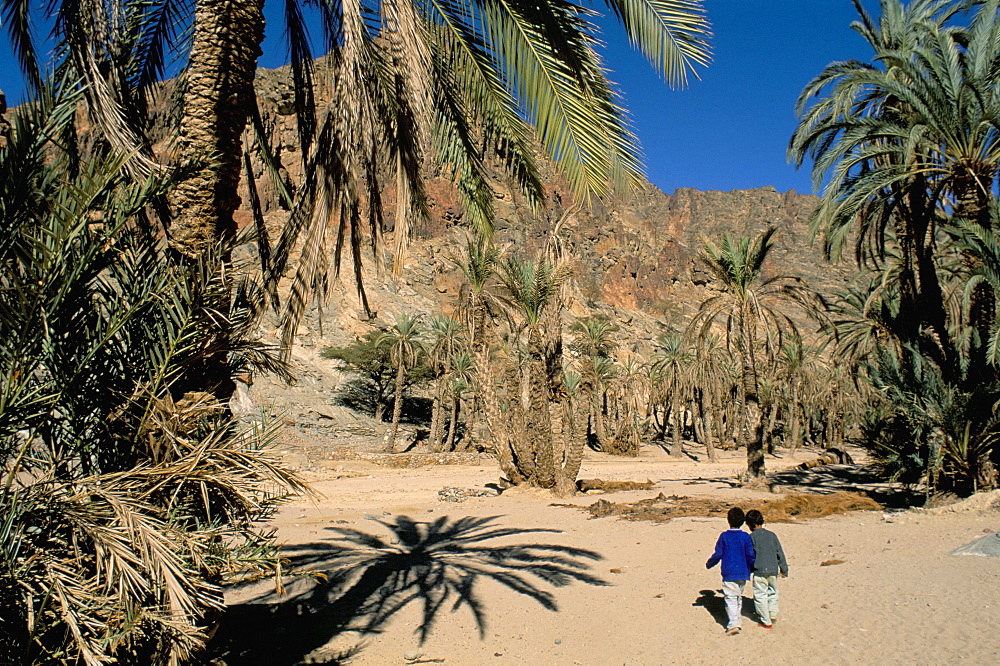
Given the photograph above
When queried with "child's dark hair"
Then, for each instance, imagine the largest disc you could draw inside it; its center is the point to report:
(754, 519)
(735, 517)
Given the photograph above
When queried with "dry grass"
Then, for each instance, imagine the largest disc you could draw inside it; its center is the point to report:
(789, 508)
(585, 485)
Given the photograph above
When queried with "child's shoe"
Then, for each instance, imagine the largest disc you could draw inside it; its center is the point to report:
(766, 626)
(733, 631)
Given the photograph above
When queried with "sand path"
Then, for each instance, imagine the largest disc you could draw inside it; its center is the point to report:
(898, 597)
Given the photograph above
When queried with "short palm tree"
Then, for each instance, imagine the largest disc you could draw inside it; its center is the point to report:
(670, 374)
(795, 361)
(630, 388)
(532, 288)
(447, 340)
(749, 306)
(712, 379)
(405, 342)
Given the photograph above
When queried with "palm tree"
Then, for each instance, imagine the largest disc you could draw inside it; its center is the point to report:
(593, 339)
(462, 371)
(749, 306)
(630, 389)
(670, 370)
(712, 381)
(594, 336)
(405, 343)
(127, 499)
(901, 142)
(862, 319)
(446, 342)
(532, 288)
(466, 83)
(794, 362)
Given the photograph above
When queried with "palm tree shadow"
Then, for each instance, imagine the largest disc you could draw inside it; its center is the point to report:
(356, 581)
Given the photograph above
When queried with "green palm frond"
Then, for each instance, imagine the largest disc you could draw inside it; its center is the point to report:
(673, 35)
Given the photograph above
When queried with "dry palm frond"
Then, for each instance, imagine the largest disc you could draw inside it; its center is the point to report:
(790, 508)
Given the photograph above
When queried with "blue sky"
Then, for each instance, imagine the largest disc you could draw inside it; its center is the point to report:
(727, 131)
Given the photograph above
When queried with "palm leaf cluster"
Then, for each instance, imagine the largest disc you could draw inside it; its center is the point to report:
(128, 493)
(474, 86)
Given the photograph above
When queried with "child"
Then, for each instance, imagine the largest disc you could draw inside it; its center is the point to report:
(769, 564)
(735, 550)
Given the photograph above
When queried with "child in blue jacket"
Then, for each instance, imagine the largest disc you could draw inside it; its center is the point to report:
(735, 550)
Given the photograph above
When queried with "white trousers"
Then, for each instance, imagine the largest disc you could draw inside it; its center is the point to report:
(733, 591)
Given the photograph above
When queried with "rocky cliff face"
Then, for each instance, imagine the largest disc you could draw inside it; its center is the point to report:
(634, 257)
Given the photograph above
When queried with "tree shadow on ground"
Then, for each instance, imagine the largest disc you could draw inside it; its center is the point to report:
(356, 581)
(867, 480)
(361, 397)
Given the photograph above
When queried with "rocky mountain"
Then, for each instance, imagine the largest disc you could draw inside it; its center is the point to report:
(635, 256)
(635, 259)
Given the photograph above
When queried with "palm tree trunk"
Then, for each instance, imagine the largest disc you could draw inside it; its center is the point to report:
(577, 439)
(754, 416)
(796, 423)
(600, 401)
(539, 426)
(437, 414)
(500, 430)
(456, 406)
(707, 410)
(677, 410)
(771, 422)
(468, 439)
(397, 410)
(218, 96)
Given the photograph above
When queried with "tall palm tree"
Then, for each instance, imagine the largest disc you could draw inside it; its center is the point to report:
(750, 307)
(903, 141)
(405, 341)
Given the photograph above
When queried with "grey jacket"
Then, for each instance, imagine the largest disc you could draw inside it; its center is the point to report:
(770, 558)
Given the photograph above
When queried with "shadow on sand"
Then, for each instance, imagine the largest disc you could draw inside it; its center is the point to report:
(356, 581)
(715, 604)
(854, 478)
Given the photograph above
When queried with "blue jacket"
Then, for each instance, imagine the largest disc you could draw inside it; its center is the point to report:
(735, 550)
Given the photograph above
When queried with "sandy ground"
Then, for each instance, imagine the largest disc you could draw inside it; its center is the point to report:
(898, 597)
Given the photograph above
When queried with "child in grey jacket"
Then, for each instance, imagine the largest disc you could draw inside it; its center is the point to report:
(768, 565)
